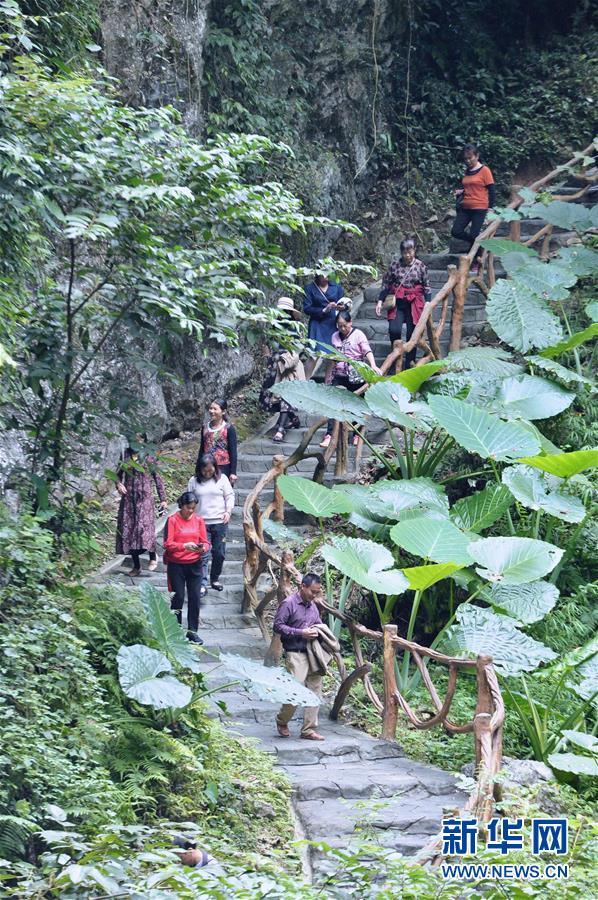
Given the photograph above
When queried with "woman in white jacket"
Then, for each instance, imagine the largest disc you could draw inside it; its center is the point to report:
(215, 503)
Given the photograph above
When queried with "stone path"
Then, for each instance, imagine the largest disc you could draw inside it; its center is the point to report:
(350, 779)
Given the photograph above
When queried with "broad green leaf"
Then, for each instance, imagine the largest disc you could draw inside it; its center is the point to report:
(570, 216)
(582, 739)
(280, 533)
(482, 632)
(365, 371)
(574, 763)
(367, 563)
(139, 668)
(478, 431)
(520, 318)
(532, 397)
(323, 400)
(413, 378)
(408, 493)
(422, 577)
(564, 465)
(527, 603)
(569, 376)
(500, 246)
(514, 560)
(490, 360)
(545, 279)
(580, 337)
(312, 498)
(268, 682)
(482, 509)
(534, 490)
(392, 402)
(581, 260)
(166, 630)
(435, 539)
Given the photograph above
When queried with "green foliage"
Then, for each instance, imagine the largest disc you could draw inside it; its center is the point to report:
(367, 563)
(312, 498)
(92, 250)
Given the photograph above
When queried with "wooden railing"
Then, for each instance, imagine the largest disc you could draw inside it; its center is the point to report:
(261, 557)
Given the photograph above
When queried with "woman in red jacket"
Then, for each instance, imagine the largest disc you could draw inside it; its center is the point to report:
(185, 542)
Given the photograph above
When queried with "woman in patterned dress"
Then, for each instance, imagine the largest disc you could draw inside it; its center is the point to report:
(219, 439)
(136, 524)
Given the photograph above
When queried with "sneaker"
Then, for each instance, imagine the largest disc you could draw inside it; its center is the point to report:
(194, 638)
(216, 586)
(278, 437)
(203, 591)
(152, 565)
(134, 573)
(325, 442)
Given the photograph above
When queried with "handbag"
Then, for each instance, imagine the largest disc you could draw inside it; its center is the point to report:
(390, 301)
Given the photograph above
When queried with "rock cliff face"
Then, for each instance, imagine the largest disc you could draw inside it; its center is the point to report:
(319, 67)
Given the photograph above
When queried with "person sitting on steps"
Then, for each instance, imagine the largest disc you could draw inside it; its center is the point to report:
(353, 344)
(283, 365)
(408, 283)
(474, 199)
(295, 622)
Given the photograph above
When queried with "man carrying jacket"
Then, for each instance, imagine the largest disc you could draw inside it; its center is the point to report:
(294, 622)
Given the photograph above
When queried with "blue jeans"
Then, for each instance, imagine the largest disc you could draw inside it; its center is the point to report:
(217, 538)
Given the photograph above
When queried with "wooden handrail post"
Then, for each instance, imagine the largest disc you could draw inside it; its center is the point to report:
(460, 295)
(278, 514)
(482, 731)
(390, 713)
(515, 226)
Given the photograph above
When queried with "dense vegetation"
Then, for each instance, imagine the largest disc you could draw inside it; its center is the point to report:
(120, 231)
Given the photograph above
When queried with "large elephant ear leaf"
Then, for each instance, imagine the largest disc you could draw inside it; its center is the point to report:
(312, 498)
(564, 465)
(568, 376)
(532, 488)
(527, 603)
(581, 260)
(574, 340)
(478, 431)
(531, 397)
(574, 763)
(489, 360)
(139, 671)
(268, 682)
(481, 632)
(514, 560)
(482, 509)
(392, 498)
(500, 246)
(571, 216)
(422, 577)
(413, 378)
(166, 630)
(392, 402)
(545, 279)
(367, 563)
(323, 400)
(435, 539)
(520, 318)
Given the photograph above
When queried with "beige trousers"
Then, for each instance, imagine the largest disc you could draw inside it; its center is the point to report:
(298, 667)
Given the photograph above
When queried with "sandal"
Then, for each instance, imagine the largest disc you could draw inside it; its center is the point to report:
(278, 437)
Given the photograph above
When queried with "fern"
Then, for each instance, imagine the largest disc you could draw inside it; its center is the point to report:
(14, 833)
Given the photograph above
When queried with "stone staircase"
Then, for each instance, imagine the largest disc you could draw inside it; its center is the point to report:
(343, 784)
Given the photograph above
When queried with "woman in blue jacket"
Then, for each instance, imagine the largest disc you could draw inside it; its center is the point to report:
(321, 305)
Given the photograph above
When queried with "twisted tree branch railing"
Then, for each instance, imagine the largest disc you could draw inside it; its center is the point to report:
(487, 723)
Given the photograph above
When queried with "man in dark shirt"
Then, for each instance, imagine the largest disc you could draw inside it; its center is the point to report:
(294, 622)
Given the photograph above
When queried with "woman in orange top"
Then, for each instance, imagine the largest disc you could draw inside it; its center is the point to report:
(185, 543)
(474, 199)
